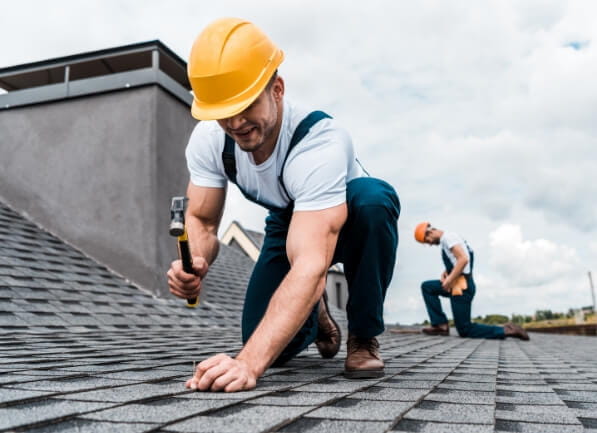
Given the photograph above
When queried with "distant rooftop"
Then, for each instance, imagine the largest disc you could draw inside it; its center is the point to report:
(100, 71)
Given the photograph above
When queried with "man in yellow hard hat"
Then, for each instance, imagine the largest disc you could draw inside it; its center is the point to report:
(456, 283)
(323, 208)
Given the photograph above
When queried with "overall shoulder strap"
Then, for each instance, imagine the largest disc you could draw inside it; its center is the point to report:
(228, 158)
(301, 130)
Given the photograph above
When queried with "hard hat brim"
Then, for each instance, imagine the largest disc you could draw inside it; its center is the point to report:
(232, 107)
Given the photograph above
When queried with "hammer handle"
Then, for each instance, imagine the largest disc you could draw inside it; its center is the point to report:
(187, 265)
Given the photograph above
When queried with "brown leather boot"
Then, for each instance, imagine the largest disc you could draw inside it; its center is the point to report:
(328, 332)
(512, 330)
(362, 358)
(443, 330)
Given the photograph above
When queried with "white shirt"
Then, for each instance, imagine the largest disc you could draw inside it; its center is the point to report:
(315, 175)
(449, 240)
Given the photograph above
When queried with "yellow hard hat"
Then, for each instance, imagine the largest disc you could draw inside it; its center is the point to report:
(420, 231)
(230, 64)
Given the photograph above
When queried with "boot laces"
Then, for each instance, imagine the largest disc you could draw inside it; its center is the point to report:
(369, 344)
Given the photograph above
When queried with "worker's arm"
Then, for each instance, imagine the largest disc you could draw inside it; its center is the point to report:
(204, 212)
(311, 241)
(461, 262)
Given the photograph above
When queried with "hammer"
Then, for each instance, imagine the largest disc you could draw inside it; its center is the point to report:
(177, 228)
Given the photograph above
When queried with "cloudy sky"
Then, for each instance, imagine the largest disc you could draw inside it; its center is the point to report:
(483, 115)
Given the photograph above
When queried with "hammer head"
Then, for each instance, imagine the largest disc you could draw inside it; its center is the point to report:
(177, 210)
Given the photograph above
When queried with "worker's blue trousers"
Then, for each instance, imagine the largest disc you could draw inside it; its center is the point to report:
(461, 308)
(367, 247)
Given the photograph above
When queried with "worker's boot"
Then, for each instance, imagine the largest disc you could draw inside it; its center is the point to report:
(362, 358)
(328, 332)
(443, 329)
(512, 330)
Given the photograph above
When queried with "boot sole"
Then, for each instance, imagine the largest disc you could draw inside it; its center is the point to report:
(364, 374)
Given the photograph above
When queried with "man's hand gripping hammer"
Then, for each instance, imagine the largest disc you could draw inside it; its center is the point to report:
(177, 228)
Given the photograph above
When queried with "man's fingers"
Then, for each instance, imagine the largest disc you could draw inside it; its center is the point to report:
(177, 288)
(184, 294)
(176, 271)
(210, 369)
(186, 278)
(221, 382)
(191, 383)
(222, 373)
(237, 384)
(210, 376)
(210, 362)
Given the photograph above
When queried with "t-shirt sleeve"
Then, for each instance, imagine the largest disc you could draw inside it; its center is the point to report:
(316, 170)
(204, 159)
(452, 239)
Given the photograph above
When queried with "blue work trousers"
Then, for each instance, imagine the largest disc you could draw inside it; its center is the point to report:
(366, 245)
(461, 309)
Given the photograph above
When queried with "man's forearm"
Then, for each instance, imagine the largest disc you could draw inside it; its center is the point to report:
(287, 311)
(457, 270)
(202, 239)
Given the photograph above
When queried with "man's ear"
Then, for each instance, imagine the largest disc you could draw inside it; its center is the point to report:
(278, 88)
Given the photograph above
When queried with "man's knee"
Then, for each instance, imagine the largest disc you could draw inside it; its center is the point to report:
(429, 287)
(463, 328)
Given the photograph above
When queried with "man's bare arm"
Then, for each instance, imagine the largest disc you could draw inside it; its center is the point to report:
(312, 238)
(204, 213)
(202, 220)
(461, 262)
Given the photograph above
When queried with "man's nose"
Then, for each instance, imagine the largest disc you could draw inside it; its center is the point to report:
(235, 122)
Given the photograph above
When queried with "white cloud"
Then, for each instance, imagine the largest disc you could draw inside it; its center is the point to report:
(529, 263)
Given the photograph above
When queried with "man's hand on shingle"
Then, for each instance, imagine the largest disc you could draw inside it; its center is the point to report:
(222, 373)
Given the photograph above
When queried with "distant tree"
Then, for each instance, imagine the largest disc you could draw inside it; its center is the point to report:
(543, 315)
(517, 318)
(495, 319)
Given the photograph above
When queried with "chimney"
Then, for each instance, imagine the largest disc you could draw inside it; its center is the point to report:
(92, 149)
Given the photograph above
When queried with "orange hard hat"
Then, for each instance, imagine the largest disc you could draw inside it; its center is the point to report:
(420, 231)
(230, 64)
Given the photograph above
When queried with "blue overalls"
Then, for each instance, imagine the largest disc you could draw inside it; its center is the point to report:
(461, 304)
(366, 245)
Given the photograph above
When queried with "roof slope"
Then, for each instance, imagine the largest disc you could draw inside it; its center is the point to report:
(81, 349)
(48, 286)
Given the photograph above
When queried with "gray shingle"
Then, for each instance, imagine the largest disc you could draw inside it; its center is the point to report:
(35, 412)
(522, 427)
(409, 425)
(159, 411)
(240, 418)
(452, 413)
(364, 410)
(452, 396)
(318, 425)
(83, 426)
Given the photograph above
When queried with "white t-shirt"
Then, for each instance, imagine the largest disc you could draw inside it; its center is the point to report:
(315, 175)
(450, 239)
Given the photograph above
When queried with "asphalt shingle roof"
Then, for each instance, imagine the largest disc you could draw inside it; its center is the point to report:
(82, 349)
